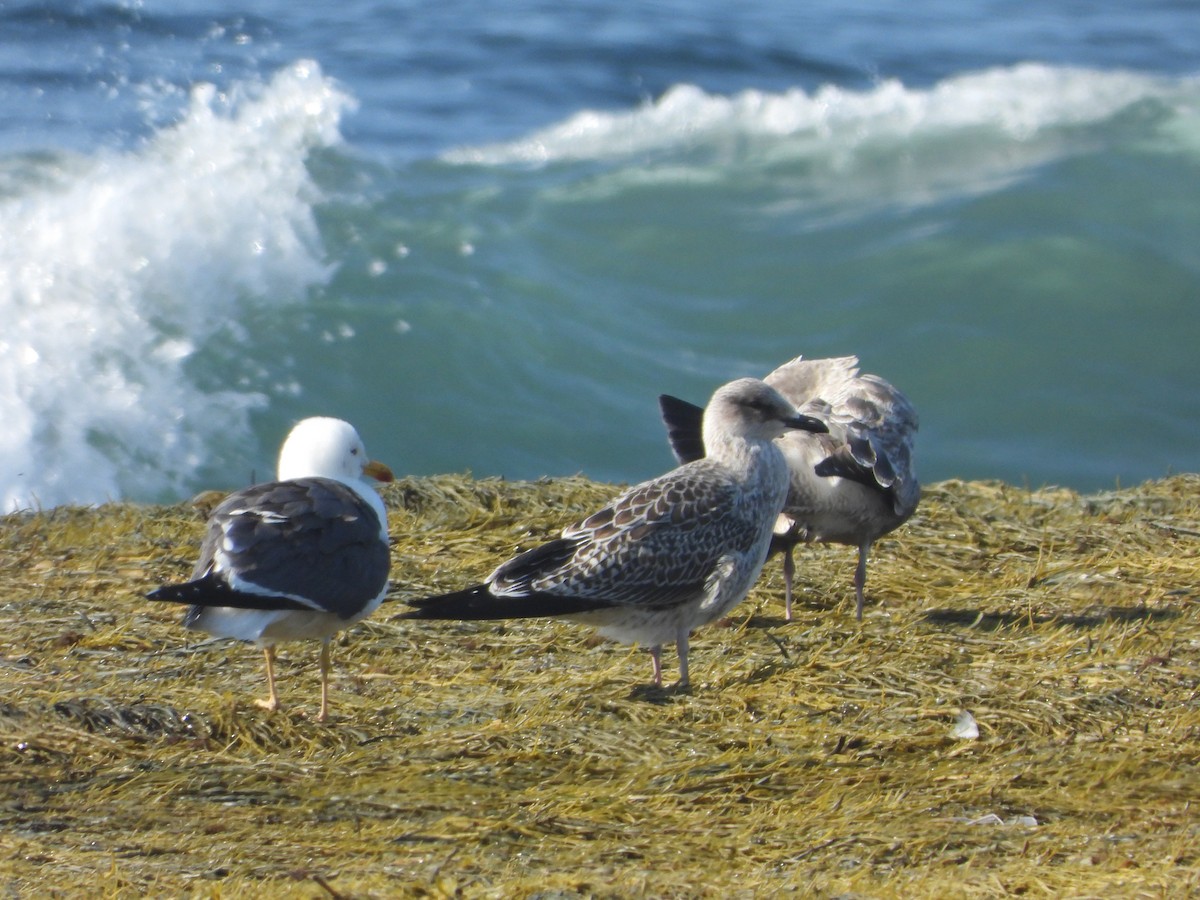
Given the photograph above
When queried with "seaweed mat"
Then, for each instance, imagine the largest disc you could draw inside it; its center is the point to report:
(528, 759)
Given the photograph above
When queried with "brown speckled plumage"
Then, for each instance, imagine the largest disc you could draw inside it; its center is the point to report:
(666, 556)
(851, 485)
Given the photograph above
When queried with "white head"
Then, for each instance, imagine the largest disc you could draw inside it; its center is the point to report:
(327, 448)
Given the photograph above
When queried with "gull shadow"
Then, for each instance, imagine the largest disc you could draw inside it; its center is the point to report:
(660, 696)
(101, 715)
(758, 620)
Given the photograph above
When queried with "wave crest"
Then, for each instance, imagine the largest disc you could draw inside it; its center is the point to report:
(116, 269)
(1018, 101)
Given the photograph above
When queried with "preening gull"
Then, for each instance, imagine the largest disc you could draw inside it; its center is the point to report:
(851, 485)
(301, 557)
(667, 555)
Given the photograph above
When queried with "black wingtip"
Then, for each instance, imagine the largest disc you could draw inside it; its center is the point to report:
(684, 423)
(211, 592)
(471, 603)
(843, 464)
(175, 593)
(478, 603)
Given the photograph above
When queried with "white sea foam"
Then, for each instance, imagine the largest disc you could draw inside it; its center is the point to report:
(1020, 101)
(116, 269)
(834, 155)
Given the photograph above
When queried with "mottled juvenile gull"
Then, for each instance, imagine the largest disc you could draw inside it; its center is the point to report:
(301, 557)
(666, 556)
(851, 485)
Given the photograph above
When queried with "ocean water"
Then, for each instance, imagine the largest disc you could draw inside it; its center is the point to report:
(490, 234)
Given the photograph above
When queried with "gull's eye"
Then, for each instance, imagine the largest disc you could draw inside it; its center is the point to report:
(354, 451)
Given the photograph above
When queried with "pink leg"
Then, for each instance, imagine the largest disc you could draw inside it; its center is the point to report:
(271, 701)
(860, 578)
(323, 715)
(789, 574)
(681, 644)
(656, 662)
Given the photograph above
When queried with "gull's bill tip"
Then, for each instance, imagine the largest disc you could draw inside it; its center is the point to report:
(378, 471)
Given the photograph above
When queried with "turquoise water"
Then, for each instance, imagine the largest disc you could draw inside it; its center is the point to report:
(491, 234)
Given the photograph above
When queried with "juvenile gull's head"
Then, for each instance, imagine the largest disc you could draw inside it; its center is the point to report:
(752, 410)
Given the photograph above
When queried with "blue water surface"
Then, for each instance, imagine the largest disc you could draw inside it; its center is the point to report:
(491, 233)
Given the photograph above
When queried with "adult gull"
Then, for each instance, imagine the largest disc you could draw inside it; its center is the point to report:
(298, 558)
(850, 485)
(666, 556)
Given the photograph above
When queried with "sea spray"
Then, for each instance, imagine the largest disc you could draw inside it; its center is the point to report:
(116, 269)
